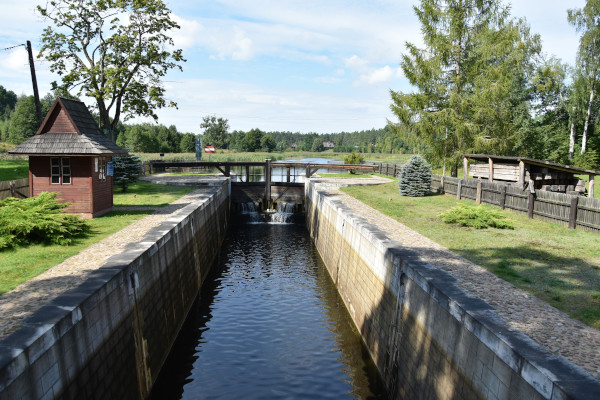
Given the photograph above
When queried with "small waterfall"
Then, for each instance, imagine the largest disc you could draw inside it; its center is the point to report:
(250, 213)
(284, 213)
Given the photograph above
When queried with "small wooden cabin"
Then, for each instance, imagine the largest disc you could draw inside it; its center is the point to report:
(69, 155)
(544, 175)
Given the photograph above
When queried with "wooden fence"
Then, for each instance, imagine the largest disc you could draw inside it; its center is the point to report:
(576, 212)
(17, 188)
(389, 169)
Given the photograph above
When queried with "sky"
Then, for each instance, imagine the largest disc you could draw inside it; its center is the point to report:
(300, 66)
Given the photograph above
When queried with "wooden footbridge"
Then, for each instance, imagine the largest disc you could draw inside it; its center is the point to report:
(263, 183)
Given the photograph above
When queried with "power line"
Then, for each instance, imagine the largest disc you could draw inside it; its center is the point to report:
(14, 47)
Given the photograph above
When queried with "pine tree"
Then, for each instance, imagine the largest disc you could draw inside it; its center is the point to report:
(415, 178)
(126, 170)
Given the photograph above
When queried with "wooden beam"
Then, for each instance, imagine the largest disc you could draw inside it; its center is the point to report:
(465, 167)
(591, 186)
(268, 182)
(521, 177)
(491, 164)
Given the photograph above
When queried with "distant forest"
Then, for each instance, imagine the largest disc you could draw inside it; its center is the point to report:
(18, 122)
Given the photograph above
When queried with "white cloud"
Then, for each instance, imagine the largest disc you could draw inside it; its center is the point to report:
(242, 46)
(380, 75)
(355, 62)
(188, 33)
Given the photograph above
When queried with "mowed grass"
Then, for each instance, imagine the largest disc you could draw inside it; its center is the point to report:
(14, 169)
(143, 193)
(346, 175)
(23, 263)
(558, 265)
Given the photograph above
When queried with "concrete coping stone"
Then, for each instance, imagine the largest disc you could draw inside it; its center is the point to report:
(40, 330)
(553, 376)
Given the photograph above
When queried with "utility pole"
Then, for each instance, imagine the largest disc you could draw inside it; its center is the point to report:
(36, 94)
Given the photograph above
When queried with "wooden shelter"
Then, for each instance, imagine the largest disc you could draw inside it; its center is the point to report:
(543, 175)
(70, 155)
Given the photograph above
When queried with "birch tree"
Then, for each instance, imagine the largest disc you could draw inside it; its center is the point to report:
(587, 21)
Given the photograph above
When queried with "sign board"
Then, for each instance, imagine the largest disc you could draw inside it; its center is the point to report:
(110, 169)
(198, 149)
(209, 149)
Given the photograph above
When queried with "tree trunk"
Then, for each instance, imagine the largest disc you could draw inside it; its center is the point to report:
(587, 122)
(572, 141)
(104, 119)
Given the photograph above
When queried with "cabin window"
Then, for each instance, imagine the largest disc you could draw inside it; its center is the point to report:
(60, 170)
(102, 169)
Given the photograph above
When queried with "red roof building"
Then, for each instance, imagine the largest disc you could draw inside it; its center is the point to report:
(69, 155)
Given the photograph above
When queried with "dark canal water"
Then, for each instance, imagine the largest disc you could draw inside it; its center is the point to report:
(268, 325)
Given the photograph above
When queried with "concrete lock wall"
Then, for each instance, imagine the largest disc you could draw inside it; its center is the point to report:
(428, 338)
(109, 337)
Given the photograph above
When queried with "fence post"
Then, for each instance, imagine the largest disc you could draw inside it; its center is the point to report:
(573, 212)
(503, 197)
(11, 186)
(531, 200)
(394, 171)
(458, 189)
(478, 197)
(530, 204)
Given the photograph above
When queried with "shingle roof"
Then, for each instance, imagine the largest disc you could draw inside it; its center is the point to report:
(70, 143)
(87, 139)
(80, 115)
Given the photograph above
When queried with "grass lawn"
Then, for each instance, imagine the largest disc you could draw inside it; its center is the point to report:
(144, 193)
(558, 265)
(14, 169)
(23, 263)
(346, 175)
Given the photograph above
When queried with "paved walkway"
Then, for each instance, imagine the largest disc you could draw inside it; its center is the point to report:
(549, 327)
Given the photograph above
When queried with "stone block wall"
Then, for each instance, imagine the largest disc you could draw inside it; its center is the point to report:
(109, 337)
(429, 339)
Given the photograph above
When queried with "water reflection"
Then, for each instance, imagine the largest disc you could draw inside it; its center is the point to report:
(269, 325)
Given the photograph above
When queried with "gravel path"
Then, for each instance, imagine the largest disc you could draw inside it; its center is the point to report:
(551, 328)
(25, 299)
(548, 326)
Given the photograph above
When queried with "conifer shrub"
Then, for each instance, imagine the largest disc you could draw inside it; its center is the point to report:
(37, 220)
(126, 170)
(477, 217)
(354, 158)
(415, 177)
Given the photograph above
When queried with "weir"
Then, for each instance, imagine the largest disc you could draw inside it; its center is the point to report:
(109, 337)
(263, 183)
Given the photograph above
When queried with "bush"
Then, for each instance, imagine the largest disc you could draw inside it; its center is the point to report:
(37, 220)
(354, 158)
(415, 178)
(475, 217)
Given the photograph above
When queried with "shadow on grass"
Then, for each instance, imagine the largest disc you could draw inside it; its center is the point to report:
(571, 284)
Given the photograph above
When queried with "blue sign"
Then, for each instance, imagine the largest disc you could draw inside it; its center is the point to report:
(110, 168)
